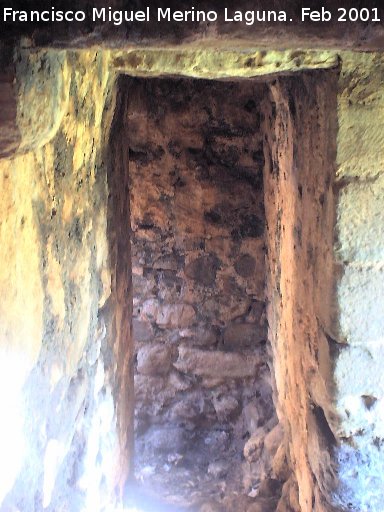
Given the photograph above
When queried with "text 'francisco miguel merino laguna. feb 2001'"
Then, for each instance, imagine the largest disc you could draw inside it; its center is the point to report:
(166, 14)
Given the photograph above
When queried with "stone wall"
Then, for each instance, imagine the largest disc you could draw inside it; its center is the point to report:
(358, 328)
(202, 380)
(60, 435)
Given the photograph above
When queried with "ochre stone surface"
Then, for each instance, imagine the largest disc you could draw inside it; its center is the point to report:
(63, 437)
(35, 90)
(300, 151)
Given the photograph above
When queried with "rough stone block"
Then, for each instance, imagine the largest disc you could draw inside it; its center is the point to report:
(360, 137)
(203, 270)
(238, 335)
(360, 299)
(191, 407)
(203, 335)
(167, 439)
(154, 360)
(179, 382)
(142, 330)
(147, 388)
(150, 308)
(245, 265)
(360, 382)
(173, 316)
(217, 364)
(361, 79)
(225, 407)
(361, 221)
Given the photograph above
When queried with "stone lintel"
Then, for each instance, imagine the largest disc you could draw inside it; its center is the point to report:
(222, 64)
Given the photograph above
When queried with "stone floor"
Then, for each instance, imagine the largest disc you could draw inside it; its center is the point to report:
(187, 490)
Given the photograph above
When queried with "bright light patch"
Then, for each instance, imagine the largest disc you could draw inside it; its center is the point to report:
(97, 478)
(124, 509)
(12, 442)
(54, 455)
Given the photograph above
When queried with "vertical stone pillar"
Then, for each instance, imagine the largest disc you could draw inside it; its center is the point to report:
(326, 283)
(119, 231)
(300, 125)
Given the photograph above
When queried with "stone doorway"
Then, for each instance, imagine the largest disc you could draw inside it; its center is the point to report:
(211, 274)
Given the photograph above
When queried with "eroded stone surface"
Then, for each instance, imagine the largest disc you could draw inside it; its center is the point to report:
(34, 98)
(55, 277)
(299, 207)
